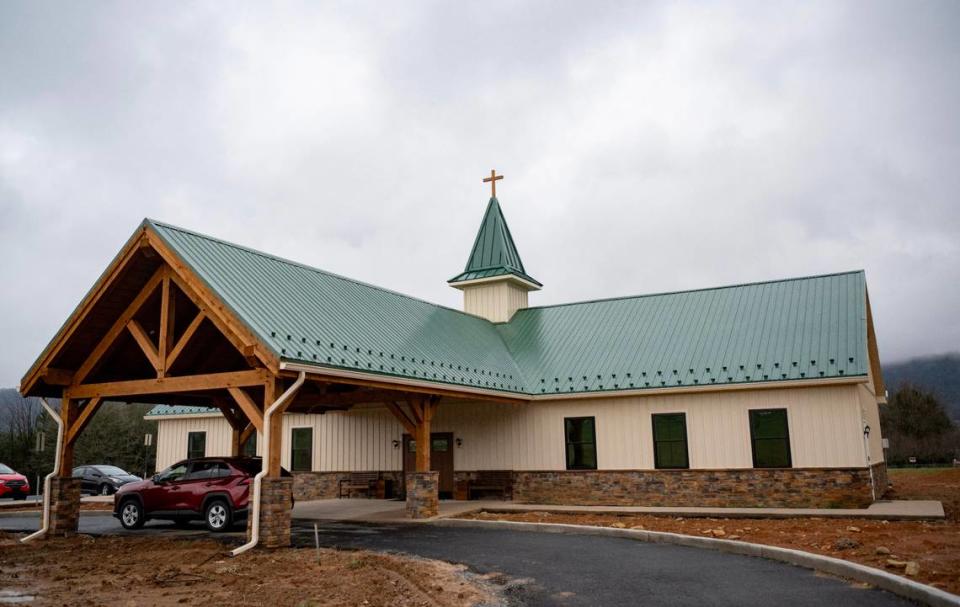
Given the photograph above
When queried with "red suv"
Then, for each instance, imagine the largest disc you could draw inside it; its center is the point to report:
(215, 489)
(12, 484)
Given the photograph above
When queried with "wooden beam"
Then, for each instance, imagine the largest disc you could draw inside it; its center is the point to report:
(57, 377)
(205, 300)
(415, 409)
(83, 418)
(408, 424)
(184, 339)
(118, 327)
(143, 340)
(248, 406)
(188, 383)
(167, 323)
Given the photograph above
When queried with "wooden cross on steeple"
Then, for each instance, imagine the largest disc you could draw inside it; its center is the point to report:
(492, 180)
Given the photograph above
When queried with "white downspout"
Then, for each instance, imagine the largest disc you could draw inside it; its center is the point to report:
(46, 481)
(255, 500)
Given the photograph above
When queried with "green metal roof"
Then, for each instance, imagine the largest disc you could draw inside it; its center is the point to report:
(180, 410)
(802, 328)
(493, 253)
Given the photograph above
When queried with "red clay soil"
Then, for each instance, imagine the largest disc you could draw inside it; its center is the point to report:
(933, 547)
(166, 572)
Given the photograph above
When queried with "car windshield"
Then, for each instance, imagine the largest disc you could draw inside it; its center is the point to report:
(112, 471)
(6, 470)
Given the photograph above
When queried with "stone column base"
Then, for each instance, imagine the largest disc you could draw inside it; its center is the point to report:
(64, 506)
(423, 499)
(276, 496)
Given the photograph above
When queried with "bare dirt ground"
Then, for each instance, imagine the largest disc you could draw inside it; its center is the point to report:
(928, 552)
(166, 572)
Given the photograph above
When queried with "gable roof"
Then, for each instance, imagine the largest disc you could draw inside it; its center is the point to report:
(795, 329)
(493, 253)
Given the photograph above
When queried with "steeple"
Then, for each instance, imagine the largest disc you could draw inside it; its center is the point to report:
(494, 281)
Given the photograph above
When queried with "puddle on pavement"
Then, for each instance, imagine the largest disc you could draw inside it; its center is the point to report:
(14, 597)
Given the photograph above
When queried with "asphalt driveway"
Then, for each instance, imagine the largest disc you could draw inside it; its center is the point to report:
(554, 569)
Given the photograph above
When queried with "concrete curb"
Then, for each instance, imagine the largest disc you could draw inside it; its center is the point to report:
(915, 591)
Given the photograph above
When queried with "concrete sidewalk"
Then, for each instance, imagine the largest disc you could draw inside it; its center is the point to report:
(392, 511)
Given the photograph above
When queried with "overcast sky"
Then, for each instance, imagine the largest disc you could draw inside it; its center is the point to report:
(646, 147)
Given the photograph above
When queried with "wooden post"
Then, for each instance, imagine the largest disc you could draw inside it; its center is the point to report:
(272, 391)
(68, 415)
(423, 411)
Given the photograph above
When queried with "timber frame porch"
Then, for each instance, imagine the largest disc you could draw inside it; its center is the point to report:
(151, 331)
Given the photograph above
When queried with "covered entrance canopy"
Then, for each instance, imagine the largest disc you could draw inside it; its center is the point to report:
(179, 318)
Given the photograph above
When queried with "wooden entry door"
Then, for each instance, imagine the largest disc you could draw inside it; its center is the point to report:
(441, 458)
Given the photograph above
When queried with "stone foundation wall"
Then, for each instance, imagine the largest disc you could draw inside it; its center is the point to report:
(881, 481)
(325, 485)
(779, 488)
(422, 500)
(64, 506)
(275, 507)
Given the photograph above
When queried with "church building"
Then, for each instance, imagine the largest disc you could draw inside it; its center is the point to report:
(752, 395)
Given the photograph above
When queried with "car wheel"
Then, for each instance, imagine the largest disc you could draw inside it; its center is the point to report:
(105, 489)
(218, 516)
(131, 515)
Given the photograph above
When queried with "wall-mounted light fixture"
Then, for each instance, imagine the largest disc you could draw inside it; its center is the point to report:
(396, 444)
(459, 442)
(866, 430)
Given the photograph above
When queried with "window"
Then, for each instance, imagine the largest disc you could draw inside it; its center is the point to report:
(173, 473)
(301, 449)
(581, 439)
(439, 445)
(201, 470)
(670, 440)
(770, 437)
(196, 444)
(250, 447)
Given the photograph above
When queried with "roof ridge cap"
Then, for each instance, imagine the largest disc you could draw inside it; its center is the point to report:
(700, 290)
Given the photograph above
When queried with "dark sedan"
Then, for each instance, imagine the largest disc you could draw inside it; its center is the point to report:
(101, 479)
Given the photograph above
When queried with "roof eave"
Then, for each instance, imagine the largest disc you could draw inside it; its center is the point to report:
(522, 280)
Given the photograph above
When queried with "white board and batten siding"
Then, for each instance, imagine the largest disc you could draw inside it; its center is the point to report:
(826, 431)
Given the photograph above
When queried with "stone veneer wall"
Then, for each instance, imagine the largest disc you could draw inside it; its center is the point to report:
(275, 511)
(325, 485)
(880, 479)
(422, 499)
(64, 505)
(771, 488)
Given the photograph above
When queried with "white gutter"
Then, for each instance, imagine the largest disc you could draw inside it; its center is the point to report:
(255, 500)
(46, 481)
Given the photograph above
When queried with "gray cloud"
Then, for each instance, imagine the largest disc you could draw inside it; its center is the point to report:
(647, 148)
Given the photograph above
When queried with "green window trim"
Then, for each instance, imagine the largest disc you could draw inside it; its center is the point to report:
(301, 449)
(670, 441)
(580, 437)
(770, 438)
(196, 444)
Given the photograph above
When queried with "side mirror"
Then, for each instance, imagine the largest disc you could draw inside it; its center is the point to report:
(156, 479)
